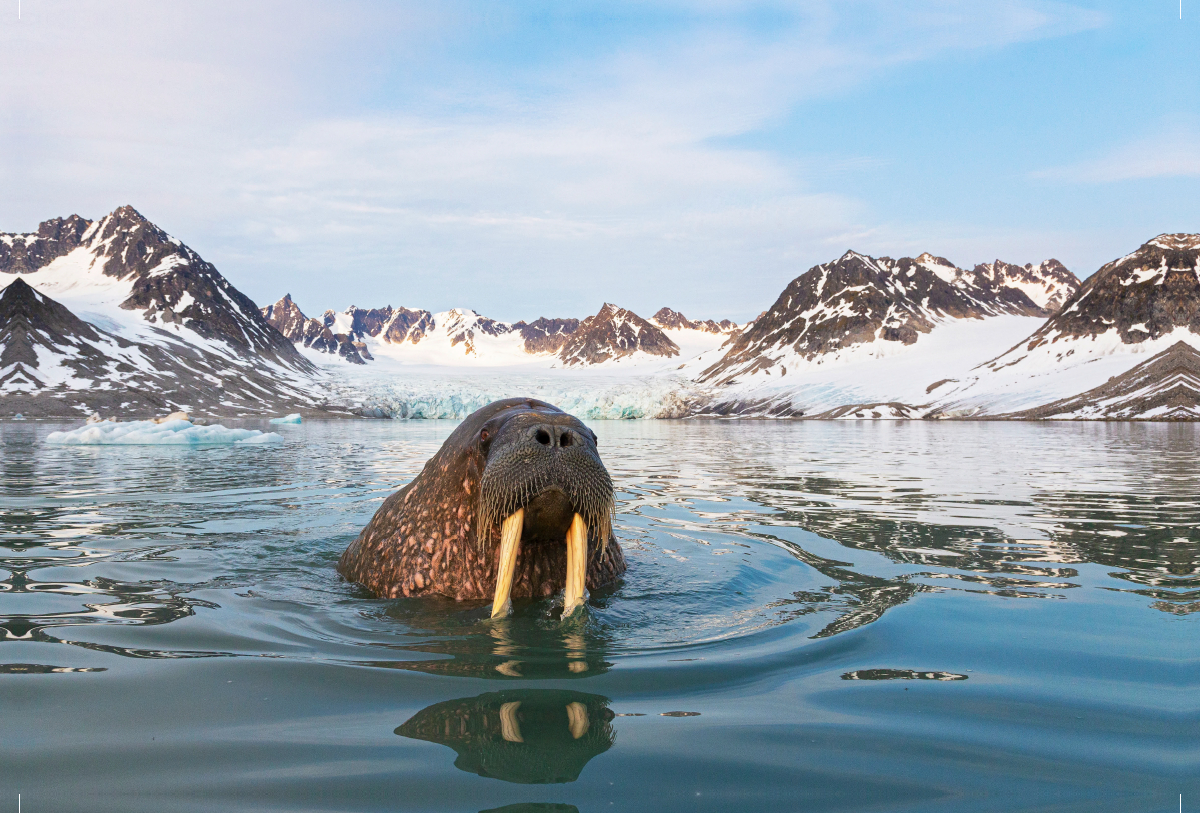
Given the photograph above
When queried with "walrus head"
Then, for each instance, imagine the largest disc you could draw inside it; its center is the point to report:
(516, 503)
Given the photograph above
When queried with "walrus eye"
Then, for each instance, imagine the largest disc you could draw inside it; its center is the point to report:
(483, 436)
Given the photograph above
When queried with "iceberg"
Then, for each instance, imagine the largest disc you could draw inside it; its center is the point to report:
(293, 418)
(168, 433)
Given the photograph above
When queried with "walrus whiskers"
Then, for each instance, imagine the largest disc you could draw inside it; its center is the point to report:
(499, 497)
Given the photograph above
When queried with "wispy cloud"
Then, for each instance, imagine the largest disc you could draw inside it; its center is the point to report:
(371, 143)
(1171, 152)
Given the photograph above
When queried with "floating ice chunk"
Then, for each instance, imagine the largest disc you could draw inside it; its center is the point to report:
(173, 432)
(293, 418)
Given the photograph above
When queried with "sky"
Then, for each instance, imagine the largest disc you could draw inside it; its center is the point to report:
(531, 159)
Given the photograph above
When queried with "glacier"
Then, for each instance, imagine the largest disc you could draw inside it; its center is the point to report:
(438, 395)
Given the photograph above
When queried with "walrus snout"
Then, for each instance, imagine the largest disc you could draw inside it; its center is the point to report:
(546, 463)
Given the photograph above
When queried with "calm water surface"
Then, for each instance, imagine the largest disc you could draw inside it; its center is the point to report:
(855, 616)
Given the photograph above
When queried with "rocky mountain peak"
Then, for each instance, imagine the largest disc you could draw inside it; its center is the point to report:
(1048, 284)
(132, 246)
(286, 317)
(1141, 296)
(544, 335)
(669, 319)
(26, 253)
(1176, 242)
(859, 299)
(614, 333)
(37, 334)
(147, 271)
(28, 320)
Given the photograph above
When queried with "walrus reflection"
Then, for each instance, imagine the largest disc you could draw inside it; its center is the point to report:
(529, 645)
(533, 807)
(525, 736)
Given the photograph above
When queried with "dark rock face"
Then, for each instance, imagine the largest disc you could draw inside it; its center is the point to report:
(408, 326)
(370, 322)
(614, 333)
(859, 299)
(29, 320)
(1144, 295)
(546, 335)
(55, 364)
(286, 317)
(1163, 388)
(674, 320)
(26, 253)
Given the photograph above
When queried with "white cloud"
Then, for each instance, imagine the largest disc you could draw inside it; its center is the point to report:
(366, 152)
(1171, 152)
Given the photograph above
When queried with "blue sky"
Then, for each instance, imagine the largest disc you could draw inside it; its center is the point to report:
(530, 159)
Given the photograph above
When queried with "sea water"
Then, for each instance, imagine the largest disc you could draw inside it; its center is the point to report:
(901, 616)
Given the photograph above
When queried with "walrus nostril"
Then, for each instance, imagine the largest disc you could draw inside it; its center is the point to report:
(542, 437)
(566, 439)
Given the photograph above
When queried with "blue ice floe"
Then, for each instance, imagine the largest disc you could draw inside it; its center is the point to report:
(293, 418)
(174, 433)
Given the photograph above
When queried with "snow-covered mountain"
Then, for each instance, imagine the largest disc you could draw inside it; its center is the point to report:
(669, 319)
(1134, 313)
(286, 317)
(464, 338)
(614, 333)
(1049, 284)
(863, 330)
(118, 315)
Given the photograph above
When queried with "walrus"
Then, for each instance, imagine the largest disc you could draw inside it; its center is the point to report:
(516, 504)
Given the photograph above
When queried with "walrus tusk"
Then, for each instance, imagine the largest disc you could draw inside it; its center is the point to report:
(510, 543)
(577, 719)
(510, 726)
(576, 565)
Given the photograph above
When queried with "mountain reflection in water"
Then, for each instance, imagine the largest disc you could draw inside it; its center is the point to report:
(528, 736)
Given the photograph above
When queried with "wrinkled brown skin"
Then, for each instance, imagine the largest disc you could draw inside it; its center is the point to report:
(422, 539)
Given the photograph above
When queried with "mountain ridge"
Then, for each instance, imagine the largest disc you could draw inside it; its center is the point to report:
(859, 300)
